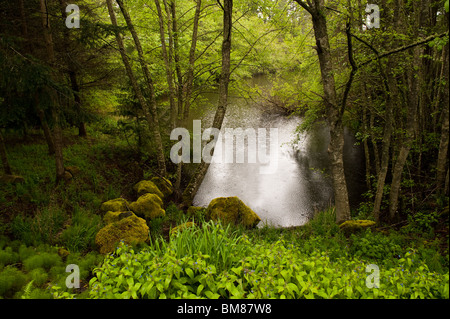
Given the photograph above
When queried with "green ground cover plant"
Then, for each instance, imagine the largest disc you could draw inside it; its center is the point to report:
(266, 270)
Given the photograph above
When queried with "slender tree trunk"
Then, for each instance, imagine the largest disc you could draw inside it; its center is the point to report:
(387, 134)
(366, 147)
(4, 157)
(167, 62)
(201, 170)
(442, 161)
(176, 57)
(72, 74)
(334, 115)
(192, 50)
(376, 154)
(407, 139)
(151, 112)
(44, 125)
(57, 132)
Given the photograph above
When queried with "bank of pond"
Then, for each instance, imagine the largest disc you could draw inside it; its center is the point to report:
(193, 256)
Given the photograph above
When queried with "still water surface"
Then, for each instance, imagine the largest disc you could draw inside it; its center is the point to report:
(298, 187)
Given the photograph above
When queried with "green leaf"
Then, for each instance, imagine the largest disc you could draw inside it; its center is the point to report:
(199, 289)
(190, 273)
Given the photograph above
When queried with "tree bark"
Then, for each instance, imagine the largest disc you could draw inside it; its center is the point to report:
(406, 140)
(150, 112)
(44, 124)
(334, 114)
(72, 75)
(224, 79)
(386, 143)
(441, 165)
(192, 50)
(167, 62)
(4, 157)
(57, 131)
(176, 57)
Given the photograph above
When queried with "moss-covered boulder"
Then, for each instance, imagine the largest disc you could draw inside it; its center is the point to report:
(232, 210)
(353, 226)
(181, 227)
(147, 187)
(111, 217)
(132, 230)
(148, 206)
(164, 185)
(115, 205)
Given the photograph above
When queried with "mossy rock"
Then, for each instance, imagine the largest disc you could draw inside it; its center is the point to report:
(181, 227)
(132, 230)
(115, 205)
(148, 206)
(111, 217)
(74, 170)
(164, 185)
(62, 252)
(353, 226)
(147, 187)
(232, 210)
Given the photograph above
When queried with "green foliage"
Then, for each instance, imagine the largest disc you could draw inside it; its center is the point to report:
(43, 260)
(80, 235)
(375, 247)
(269, 270)
(422, 223)
(222, 244)
(11, 281)
(39, 276)
(43, 227)
(8, 256)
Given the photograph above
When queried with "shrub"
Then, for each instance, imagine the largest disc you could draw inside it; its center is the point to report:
(11, 281)
(374, 247)
(39, 276)
(8, 256)
(42, 260)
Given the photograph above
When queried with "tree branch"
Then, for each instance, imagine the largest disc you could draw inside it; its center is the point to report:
(400, 49)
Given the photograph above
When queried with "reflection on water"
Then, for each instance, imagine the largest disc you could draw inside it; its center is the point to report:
(300, 185)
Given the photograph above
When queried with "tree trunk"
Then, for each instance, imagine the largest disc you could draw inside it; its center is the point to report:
(442, 166)
(190, 73)
(152, 115)
(44, 124)
(224, 79)
(57, 132)
(406, 144)
(4, 157)
(167, 62)
(72, 74)
(387, 134)
(176, 57)
(334, 114)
